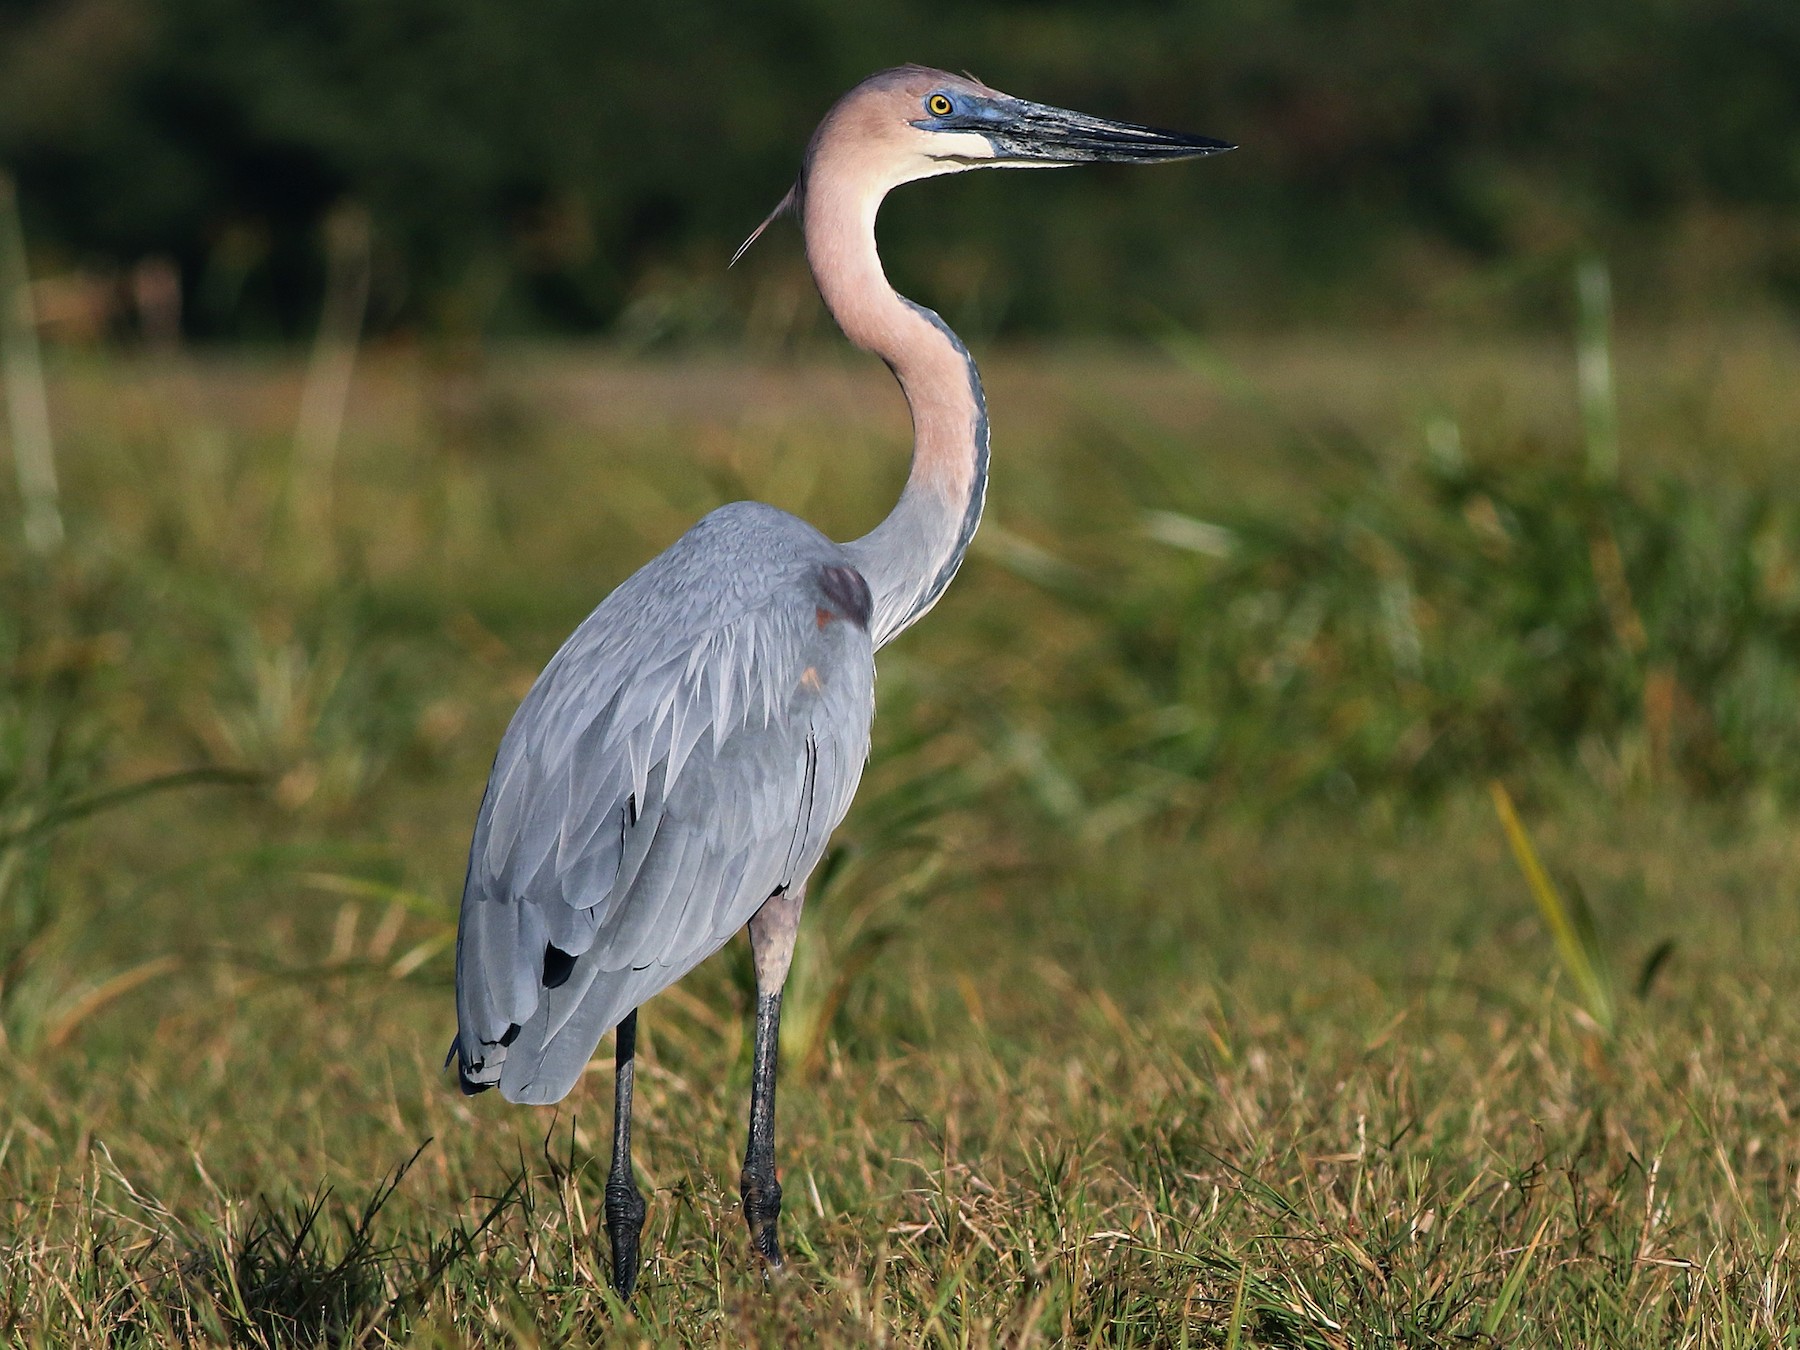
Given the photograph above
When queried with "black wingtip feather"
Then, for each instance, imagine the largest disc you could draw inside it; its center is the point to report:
(558, 966)
(468, 1085)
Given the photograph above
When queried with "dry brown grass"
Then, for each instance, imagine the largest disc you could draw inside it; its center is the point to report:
(1128, 1061)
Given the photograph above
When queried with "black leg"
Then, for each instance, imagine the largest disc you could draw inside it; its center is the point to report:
(624, 1206)
(772, 934)
(760, 1189)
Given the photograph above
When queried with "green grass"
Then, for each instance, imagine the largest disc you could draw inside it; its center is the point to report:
(1175, 982)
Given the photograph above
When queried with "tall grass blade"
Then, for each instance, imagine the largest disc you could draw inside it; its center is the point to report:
(1234, 1332)
(1571, 925)
(1515, 1281)
(22, 367)
(91, 1001)
(71, 811)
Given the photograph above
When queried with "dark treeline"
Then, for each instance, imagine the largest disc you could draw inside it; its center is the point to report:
(584, 165)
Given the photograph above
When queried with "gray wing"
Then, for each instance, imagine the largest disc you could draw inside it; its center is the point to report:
(685, 755)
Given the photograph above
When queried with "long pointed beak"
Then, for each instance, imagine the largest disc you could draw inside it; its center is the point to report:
(1034, 134)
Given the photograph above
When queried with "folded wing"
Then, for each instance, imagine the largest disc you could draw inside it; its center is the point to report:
(685, 755)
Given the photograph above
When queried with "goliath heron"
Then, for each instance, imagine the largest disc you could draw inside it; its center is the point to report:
(675, 772)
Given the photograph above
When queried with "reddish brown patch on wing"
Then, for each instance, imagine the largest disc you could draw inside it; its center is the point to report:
(823, 616)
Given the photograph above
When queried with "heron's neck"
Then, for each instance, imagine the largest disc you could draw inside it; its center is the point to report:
(910, 557)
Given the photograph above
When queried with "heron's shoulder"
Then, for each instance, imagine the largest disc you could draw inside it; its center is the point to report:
(746, 567)
(735, 559)
(757, 532)
(731, 618)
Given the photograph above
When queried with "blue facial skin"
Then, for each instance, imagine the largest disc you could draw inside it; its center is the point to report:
(966, 114)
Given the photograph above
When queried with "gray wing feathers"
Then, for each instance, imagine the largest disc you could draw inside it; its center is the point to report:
(687, 752)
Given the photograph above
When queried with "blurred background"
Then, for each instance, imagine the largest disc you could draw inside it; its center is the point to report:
(578, 168)
(1350, 795)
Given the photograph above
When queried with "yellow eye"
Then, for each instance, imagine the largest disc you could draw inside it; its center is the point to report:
(938, 106)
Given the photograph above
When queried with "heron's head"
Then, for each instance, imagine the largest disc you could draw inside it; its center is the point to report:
(914, 122)
(918, 122)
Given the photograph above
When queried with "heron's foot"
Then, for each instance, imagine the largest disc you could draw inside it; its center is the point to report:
(762, 1212)
(624, 1225)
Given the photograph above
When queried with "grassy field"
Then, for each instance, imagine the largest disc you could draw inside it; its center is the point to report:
(1176, 982)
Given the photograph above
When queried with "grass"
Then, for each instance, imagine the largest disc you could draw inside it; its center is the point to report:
(1176, 981)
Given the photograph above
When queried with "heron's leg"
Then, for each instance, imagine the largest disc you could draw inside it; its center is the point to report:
(772, 934)
(624, 1206)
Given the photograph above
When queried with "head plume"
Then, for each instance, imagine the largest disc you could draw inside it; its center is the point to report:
(790, 202)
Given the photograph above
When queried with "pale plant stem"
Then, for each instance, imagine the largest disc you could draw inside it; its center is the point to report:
(1594, 369)
(326, 393)
(22, 368)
